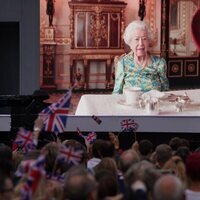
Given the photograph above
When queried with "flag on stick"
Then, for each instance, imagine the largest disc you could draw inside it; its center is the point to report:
(69, 155)
(129, 125)
(24, 141)
(55, 115)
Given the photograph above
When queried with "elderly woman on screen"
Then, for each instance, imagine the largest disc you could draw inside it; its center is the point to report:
(139, 68)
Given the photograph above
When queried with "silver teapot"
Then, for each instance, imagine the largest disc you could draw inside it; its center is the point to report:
(149, 104)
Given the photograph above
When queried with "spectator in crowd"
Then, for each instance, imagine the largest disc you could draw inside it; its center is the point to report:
(193, 175)
(107, 184)
(163, 153)
(6, 187)
(100, 149)
(145, 149)
(176, 166)
(174, 143)
(5, 160)
(183, 152)
(145, 172)
(80, 185)
(168, 187)
(127, 159)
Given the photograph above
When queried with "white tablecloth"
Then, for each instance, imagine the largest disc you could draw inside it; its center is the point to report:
(111, 105)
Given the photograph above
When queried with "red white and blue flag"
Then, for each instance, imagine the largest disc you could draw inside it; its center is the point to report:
(55, 115)
(90, 138)
(24, 141)
(129, 125)
(69, 155)
(35, 173)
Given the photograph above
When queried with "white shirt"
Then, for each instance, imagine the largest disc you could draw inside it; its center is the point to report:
(192, 195)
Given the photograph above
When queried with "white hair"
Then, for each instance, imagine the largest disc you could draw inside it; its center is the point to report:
(168, 187)
(134, 25)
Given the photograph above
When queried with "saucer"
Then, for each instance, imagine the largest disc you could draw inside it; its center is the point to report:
(124, 103)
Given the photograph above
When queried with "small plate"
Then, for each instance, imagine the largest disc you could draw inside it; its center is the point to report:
(124, 103)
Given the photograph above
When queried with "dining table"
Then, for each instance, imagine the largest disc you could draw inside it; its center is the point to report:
(113, 111)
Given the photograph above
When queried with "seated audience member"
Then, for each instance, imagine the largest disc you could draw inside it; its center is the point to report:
(168, 187)
(193, 174)
(80, 185)
(145, 149)
(163, 153)
(139, 67)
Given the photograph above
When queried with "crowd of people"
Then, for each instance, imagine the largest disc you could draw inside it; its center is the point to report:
(101, 170)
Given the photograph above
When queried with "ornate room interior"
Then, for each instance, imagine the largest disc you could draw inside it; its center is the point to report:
(79, 48)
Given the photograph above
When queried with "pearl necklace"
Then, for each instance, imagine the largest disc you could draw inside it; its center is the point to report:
(143, 63)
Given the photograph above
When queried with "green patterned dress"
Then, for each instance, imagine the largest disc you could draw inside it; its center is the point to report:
(152, 77)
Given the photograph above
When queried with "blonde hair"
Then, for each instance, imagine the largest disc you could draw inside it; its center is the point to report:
(177, 166)
(132, 27)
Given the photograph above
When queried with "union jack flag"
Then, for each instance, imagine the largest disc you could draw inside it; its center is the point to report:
(129, 125)
(90, 138)
(24, 141)
(24, 167)
(69, 155)
(34, 176)
(55, 115)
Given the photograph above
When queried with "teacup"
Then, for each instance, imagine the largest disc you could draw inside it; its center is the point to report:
(132, 95)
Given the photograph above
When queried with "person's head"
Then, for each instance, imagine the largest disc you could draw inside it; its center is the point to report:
(145, 148)
(168, 187)
(176, 166)
(193, 167)
(51, 152)
(54, 190)
(145, 172)
(183, 152)
(80, 184)
(5, 159)
(163, 154)
(174, 143)
(6, 187)
(102, 148)
(107, 184)
(138, 36)
(185, 142)
(127, 159)
(107, 164)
